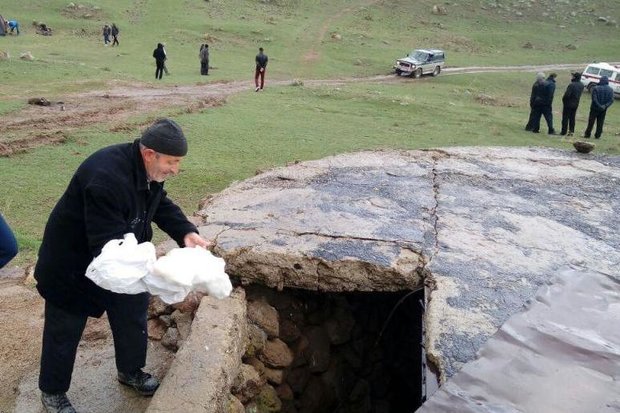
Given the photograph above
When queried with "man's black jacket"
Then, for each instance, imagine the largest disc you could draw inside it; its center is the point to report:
(573, 94)
(108, 196)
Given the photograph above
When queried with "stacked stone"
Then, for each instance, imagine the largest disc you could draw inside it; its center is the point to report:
(301, 355)
(171, 324)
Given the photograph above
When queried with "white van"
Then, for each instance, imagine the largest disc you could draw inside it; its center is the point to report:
(591, 76)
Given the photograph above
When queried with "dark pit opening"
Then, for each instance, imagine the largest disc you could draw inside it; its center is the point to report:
(336, 352)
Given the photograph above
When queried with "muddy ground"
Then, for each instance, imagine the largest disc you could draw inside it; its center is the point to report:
(114, 107)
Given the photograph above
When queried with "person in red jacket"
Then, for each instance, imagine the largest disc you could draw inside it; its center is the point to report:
(261, 67)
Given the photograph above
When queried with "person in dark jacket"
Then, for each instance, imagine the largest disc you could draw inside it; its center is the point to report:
(8, 244)
(543, 105)
(602, 99)
(160, 60)
(261, 67)
(114, 32)
(204, 59)
(570, 102)
(106, 34)
(536, 91)
(117, 190)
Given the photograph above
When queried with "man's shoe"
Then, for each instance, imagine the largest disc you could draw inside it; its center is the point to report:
(257, 89)
(56, 403)
(142, 382)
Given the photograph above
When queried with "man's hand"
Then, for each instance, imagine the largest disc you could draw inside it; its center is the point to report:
(194, 240)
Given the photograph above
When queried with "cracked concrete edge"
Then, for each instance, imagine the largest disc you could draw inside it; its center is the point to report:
(286, 269)
(205, 366)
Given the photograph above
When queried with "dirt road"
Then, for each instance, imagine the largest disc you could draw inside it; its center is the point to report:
(42, 125)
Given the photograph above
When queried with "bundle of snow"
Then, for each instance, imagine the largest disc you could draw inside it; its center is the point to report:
(126, 267)
(188, 269)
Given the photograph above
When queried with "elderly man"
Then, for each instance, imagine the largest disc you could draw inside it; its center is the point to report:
(117, 190)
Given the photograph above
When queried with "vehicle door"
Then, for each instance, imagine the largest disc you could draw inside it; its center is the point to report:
(428, 65)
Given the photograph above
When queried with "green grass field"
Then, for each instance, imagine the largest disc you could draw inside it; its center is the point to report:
(256, 131)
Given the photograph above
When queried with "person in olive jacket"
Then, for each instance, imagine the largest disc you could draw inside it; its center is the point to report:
(570, 102)
(602, 99)
(117, 190)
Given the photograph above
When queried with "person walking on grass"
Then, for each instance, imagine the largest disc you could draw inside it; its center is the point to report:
(106, 34)
(8, 244)
(117, 190)
(570, 103)
(261, 67)
(204, 59)
(602, 99)
(114, 31)
(537, 91)
(160, 60)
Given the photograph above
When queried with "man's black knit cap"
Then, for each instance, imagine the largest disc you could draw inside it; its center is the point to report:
(165, 136)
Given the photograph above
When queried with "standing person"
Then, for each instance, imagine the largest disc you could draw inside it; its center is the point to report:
(160, 60)
(13, 25)
(165, 54)
(106, 34)
(602, 99)
(8, 244)
(118, 189)
(543, 105)
(570, 103)
(114, 32)
(536, 91)
(261, 67)
(204, 59)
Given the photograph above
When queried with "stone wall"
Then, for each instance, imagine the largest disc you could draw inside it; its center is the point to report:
(321, 352)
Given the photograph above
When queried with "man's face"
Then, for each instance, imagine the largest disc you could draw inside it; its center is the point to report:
(159, 166)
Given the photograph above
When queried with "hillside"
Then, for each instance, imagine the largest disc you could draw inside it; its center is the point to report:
(319, 46)
(319, 39)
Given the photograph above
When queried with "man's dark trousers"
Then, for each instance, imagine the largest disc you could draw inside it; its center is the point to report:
(545, 111)
(599, 117)
(62, 331)
(568, 120)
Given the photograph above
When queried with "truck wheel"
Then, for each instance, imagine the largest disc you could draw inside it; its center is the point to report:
(590, 86)
(436, 71)
(397, 72)
(418, 73)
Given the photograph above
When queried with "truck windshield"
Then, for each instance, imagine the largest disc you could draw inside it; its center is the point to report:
(419, 55)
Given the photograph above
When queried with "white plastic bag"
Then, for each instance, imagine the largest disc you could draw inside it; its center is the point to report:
(186, 269)
(122, 264)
